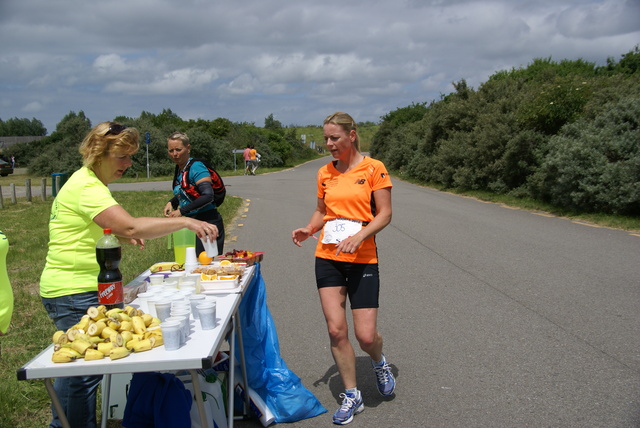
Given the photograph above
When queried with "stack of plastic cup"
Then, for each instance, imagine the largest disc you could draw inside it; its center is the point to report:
(184, 326)
(191, 261)
(171, 335)
(195, 300)
(163, 309)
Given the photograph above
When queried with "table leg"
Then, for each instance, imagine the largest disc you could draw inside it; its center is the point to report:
(56, 403)
(231, 388)
(106, 391)
(198, 393)
(243, 368)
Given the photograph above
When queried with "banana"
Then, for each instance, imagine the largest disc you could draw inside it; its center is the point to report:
(96, 328)
(107, 332)
(83, 336)
(147, 318)
(83, 323)
(61, 357)
(81, 345)
(71, 333)
(159, 341)
(165, 267)
(93, 354)
(102, 308)
(142, 345)
(95, 313)
(126, 336)
(119, 352)
(130, 344)
(68, 350)
(139, 327)
(116, 339)
(155, 322)
(130, 310)
(113, 323)
(105, 347)
(126, 326)
(122, 316)
(57, 335)
(111, 312)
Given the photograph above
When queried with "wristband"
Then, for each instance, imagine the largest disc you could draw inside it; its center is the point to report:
(312, 229)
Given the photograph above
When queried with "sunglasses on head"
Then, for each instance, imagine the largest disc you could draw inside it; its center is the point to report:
(115, 129)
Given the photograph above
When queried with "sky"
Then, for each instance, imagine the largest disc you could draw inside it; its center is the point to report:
(302, 60)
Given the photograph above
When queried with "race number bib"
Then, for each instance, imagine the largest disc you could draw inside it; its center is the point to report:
(340, 229)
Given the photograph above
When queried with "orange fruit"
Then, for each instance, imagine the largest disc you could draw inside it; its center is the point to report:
(204, 259)
(225, 263)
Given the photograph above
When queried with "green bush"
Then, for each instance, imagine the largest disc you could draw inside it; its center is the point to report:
(594, 165)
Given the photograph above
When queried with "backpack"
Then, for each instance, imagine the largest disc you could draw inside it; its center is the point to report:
(191, 191)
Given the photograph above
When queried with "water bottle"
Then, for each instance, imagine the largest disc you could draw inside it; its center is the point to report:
(108, 255)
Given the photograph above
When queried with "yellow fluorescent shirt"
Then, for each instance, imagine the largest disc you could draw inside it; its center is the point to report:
(350, 196)
(71, 265)
(6, 293)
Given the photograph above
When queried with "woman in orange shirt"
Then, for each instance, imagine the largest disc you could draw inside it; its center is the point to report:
(354, 204)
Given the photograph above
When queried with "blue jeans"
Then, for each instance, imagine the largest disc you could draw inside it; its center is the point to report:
(77, 395)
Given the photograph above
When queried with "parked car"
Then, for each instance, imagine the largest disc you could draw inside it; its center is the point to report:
(5, 168)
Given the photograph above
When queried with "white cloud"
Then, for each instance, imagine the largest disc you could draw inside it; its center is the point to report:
(247, 59)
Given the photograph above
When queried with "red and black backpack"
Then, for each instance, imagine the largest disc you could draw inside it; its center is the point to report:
(191, 191)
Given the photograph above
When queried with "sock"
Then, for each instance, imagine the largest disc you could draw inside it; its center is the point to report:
(352, 392)
(379, 363)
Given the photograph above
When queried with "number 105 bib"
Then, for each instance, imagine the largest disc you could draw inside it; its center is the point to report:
(339, 229)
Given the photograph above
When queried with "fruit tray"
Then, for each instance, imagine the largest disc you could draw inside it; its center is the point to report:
(256, 257)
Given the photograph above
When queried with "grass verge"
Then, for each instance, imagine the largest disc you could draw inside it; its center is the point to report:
(25, 404)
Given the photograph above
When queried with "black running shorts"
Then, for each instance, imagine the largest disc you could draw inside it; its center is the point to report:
(362, 280)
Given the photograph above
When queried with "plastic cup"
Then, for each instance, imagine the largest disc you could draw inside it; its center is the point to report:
(184, 326)
(187, 292)
(207, 315)
(163, 309)
(170, 283)
(187, 283)
(142, 299)
(191, 257)
(195, 300)
(181, 308)
(210, 246)
(151, 304)
(180, 312)
(156, 279)
(171, 335)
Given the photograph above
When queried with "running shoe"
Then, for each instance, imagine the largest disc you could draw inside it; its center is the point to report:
(384, 377)
(351, 405)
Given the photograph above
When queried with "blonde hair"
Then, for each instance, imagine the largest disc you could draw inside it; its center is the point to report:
(105, 138)
(346, 122)
(179, 136)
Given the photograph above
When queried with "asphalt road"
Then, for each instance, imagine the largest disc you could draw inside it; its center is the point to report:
(491, 316)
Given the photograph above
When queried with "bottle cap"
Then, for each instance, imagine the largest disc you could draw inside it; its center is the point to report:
(106, 230)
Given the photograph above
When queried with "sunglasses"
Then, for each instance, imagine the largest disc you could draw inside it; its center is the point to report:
(115, 129)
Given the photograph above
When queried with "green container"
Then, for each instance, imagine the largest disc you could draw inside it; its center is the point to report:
(182, 239)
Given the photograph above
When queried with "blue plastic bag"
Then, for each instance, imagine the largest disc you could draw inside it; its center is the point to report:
(267, 373)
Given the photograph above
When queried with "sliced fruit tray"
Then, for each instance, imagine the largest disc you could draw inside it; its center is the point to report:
(247, 257)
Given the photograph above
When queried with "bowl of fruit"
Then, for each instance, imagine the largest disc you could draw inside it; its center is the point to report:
(242, 256)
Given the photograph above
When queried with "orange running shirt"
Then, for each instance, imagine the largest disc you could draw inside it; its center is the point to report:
(350, 195)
